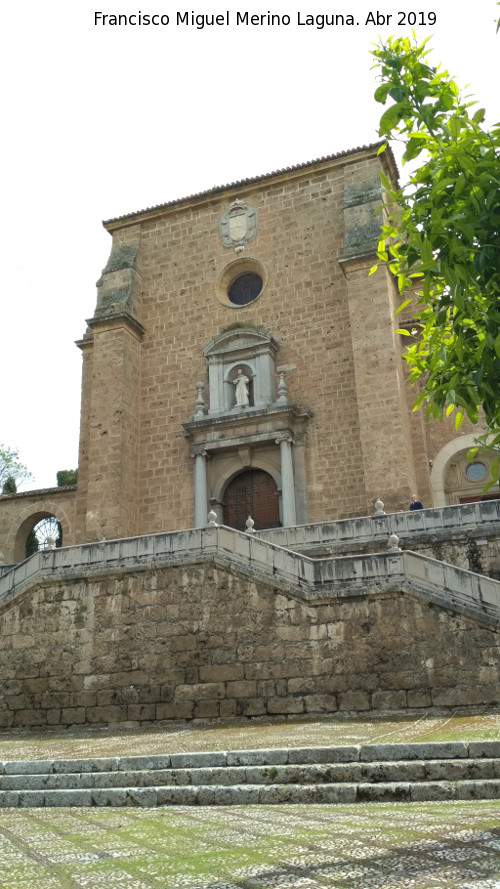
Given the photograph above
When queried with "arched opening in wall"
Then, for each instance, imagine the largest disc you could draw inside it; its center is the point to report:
(45, 533)
(252, 492)
(465, 480)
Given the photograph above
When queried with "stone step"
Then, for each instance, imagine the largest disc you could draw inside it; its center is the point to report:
(336, 773)
(362, 773)
(275, 756)
(247, 794)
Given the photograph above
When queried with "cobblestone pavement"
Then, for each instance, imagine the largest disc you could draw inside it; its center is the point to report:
(422, 846)
(244, 734)
(375, 846)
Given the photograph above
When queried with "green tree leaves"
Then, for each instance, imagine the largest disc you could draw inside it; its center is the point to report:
(444, 233)
(12, 471)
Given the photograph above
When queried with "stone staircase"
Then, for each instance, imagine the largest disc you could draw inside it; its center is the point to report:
(348, 774)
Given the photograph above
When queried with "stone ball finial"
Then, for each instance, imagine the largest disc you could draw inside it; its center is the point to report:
(379, 507)
(249, 524)
(393, 544)
(212, 519)
(51, 543)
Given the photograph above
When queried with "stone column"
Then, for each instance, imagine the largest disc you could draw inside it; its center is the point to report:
(200, 487)
(287, 481)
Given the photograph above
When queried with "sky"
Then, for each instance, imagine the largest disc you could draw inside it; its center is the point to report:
(100, 120)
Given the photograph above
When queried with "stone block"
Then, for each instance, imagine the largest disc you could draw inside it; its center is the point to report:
(381, 793)
(431, 750)
(206, 710)
(9, 799)
(284, 705)
(353, 700)
(136, 763)
(264, 757)
(198, 760)
(73, 716)
(227, 709)
(320, 703)
(221, 673)
(201, 691)
(183, 643)
(175, 710)
(251, 708)
(389, 700)
(275, 794)
(31, 799)
(109, 796)
(69, 798)
(347, 753)
(178, 796)
(484, 749)
(333, 794)
(418, 698)
(236, 795)
(107, 714)
(145, 797)
(433, 791)
(29, 717)
(29, 767)
(94, 764)
(141, 712)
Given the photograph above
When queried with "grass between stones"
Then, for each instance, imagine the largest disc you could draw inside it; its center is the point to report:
(388, 846)
(234, 735)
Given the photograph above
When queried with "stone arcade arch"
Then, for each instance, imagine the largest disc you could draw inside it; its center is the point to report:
(28, 520)
(450, 480)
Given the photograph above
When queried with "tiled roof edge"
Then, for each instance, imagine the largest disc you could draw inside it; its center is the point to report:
(218, 189)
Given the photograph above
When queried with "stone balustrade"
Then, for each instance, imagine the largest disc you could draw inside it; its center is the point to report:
(287, 570)
(447, 522)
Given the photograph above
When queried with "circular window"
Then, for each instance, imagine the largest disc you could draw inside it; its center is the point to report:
(244, 289)
(476, 472)
(241, 282)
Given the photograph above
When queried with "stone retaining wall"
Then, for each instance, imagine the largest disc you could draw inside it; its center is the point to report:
(203, 640)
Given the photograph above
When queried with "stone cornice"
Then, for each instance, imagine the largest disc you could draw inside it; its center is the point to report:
(112, 322)
(245, 424)
(38, 492)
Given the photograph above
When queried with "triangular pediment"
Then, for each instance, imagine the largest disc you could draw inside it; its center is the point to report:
(240, 339)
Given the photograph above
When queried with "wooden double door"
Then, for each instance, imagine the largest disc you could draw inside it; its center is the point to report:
(252, 493)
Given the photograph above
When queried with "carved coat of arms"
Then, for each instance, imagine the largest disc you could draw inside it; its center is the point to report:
(238, 226)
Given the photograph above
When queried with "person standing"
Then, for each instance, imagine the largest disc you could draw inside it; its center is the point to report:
(416, 503)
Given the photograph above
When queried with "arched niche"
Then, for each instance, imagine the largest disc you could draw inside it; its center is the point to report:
(252, 350)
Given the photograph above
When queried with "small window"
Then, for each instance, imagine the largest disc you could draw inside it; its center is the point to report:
(241, 282)
(244, 289)
(476, 472)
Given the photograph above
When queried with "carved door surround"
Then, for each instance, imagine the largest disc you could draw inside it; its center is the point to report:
(267, 434)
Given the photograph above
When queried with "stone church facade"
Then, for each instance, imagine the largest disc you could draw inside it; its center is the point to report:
(264, 282)
(242, 362)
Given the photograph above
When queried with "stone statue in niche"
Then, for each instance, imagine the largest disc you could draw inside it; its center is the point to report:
(241, 389)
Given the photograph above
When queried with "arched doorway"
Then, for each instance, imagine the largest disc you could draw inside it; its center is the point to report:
(252, 492)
